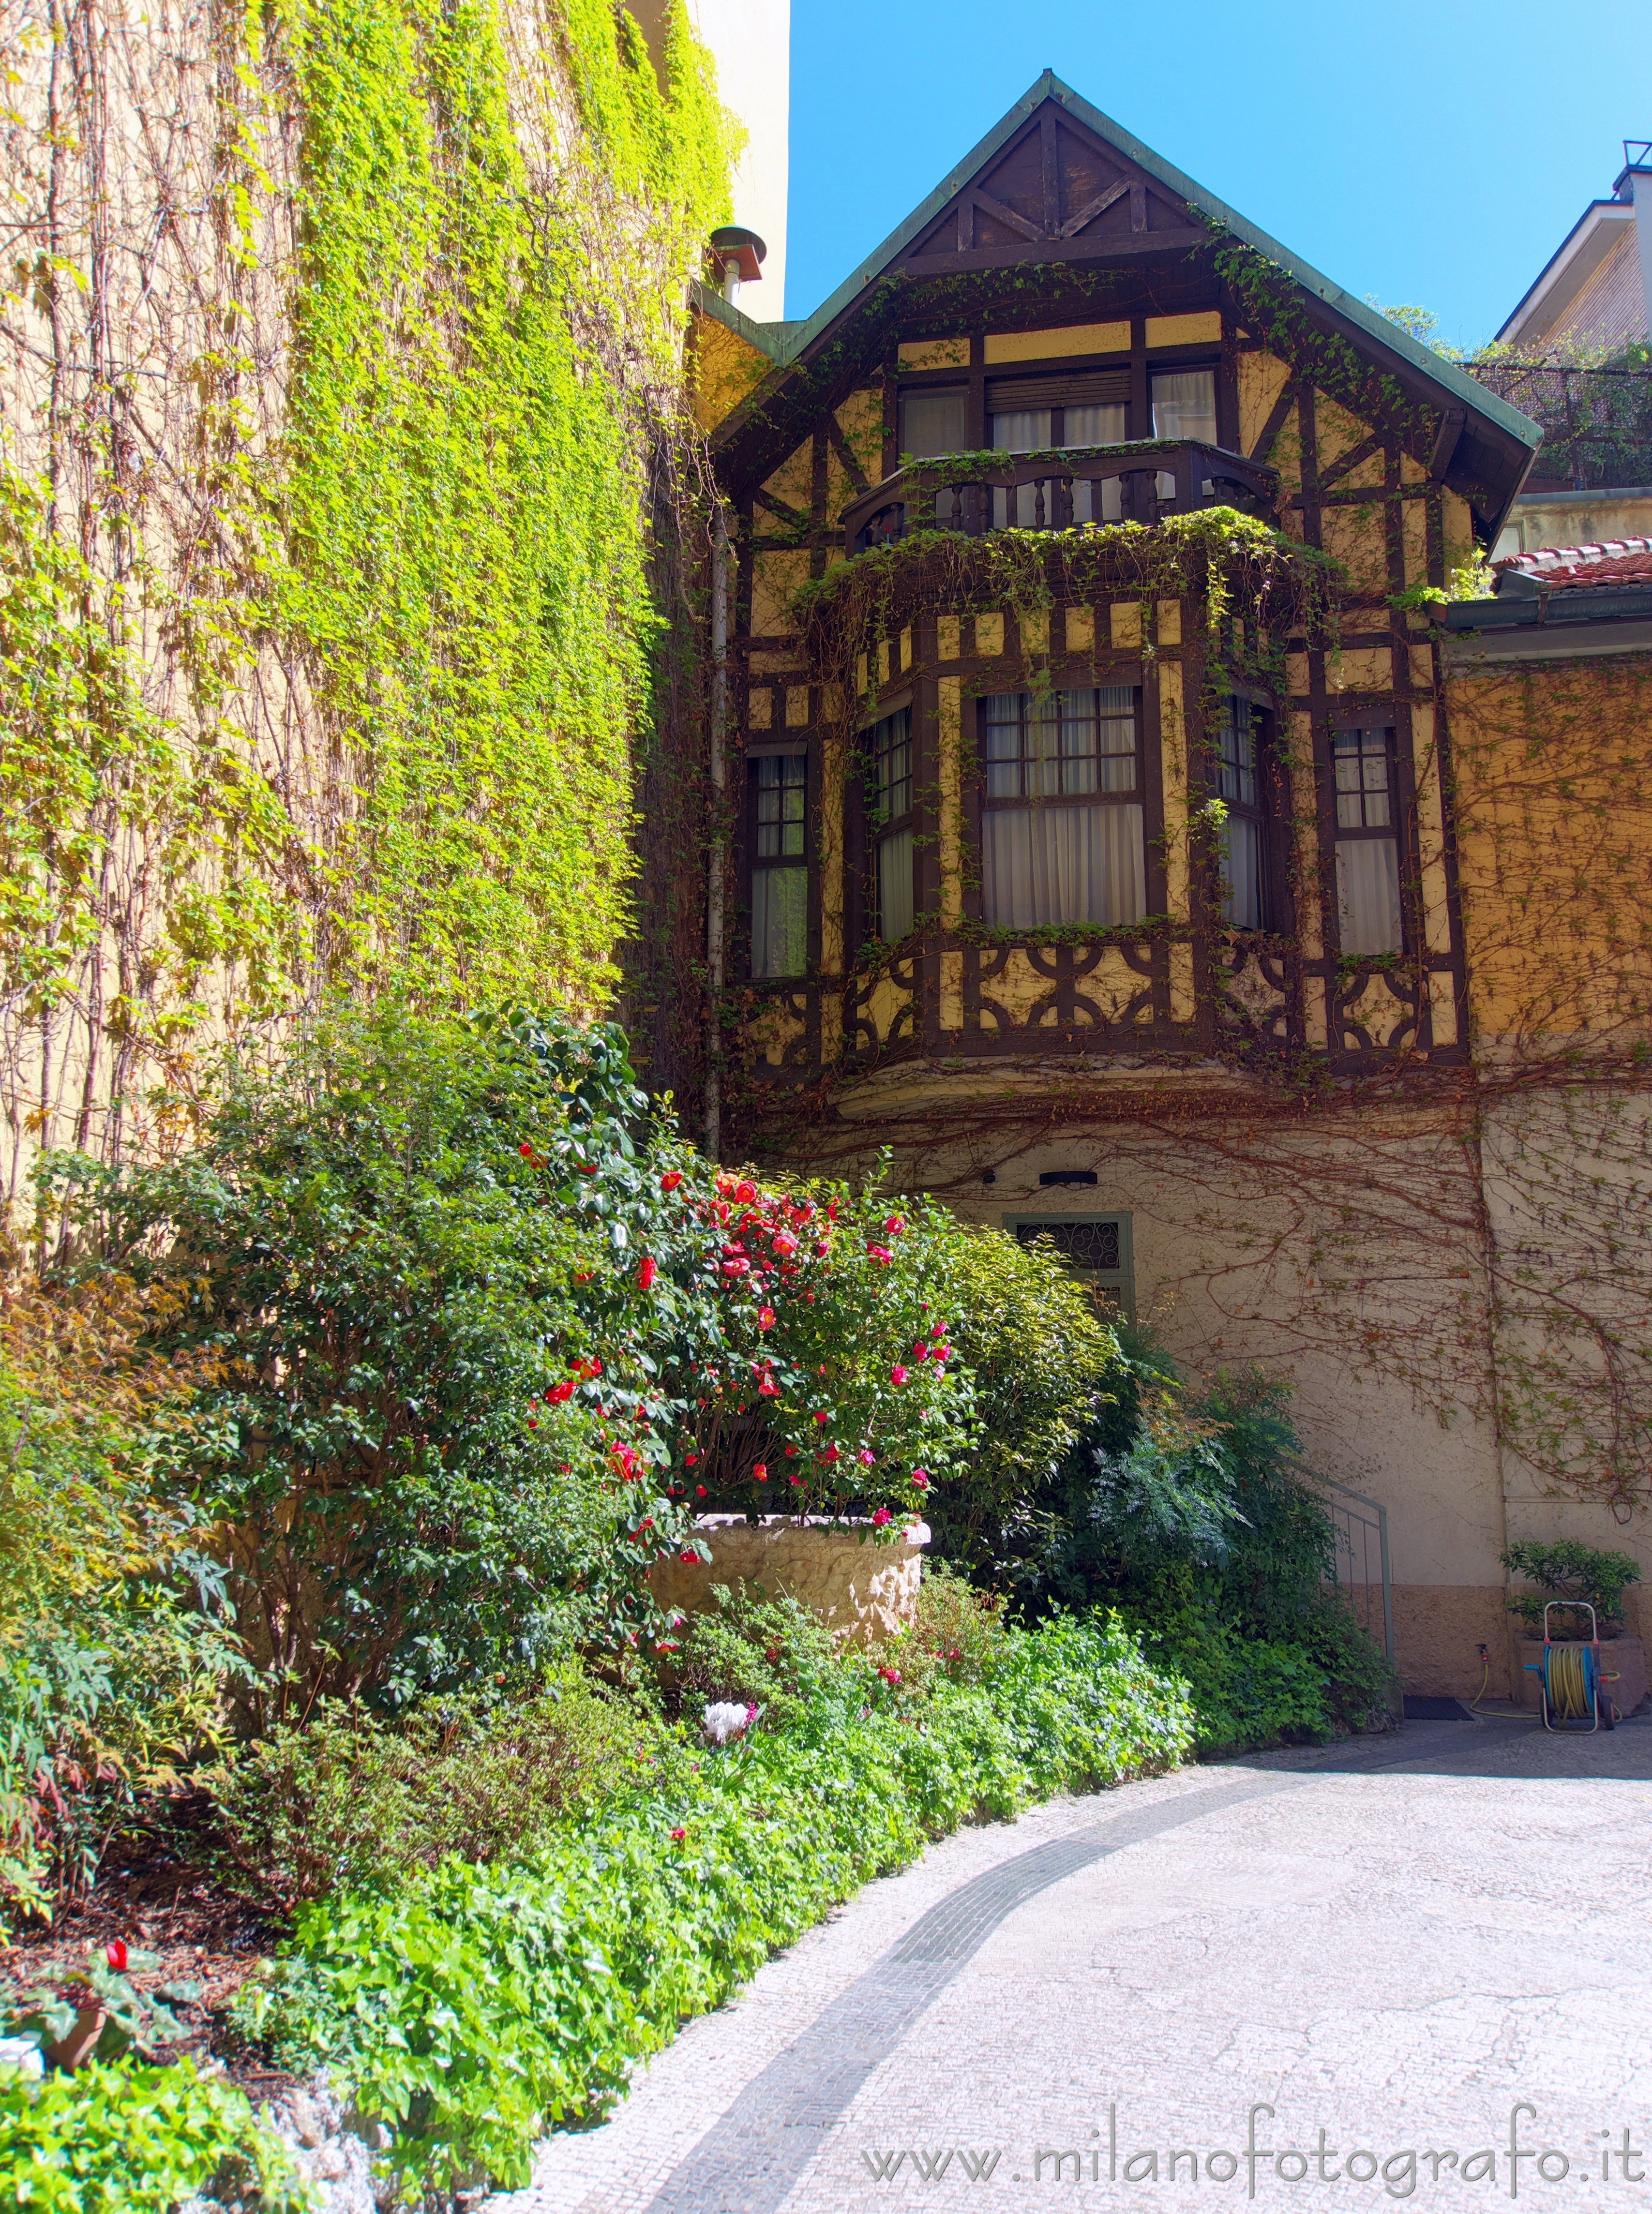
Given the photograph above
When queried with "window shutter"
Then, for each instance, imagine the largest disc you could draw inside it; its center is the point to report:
(1096, 387)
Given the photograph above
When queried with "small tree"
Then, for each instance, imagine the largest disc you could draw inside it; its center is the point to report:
(1575, 1572)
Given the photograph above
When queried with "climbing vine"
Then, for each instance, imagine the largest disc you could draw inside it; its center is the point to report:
(345, 423)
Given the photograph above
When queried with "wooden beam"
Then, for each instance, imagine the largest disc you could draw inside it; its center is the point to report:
(1000, 213)
(1092, 209)
(1350, 460)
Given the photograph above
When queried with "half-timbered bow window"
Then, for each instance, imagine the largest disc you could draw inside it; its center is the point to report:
(1061, 822)
(891, 822)
(1239, 785)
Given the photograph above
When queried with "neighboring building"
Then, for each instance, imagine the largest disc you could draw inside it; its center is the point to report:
(1115, 891)
(752, 40)
(1596, 289)
(1591, 305)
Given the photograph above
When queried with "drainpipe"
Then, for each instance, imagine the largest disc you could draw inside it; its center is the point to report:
(717, 856)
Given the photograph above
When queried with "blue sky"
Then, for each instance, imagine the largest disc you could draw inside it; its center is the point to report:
(1433, 154)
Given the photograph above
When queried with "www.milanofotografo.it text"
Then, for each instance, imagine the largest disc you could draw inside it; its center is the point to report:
(1510, 2161)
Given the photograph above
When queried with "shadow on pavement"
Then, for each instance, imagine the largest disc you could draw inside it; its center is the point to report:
(1489, 1745)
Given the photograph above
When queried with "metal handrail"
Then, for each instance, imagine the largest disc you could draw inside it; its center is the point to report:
(1057, 490)
(1376, 1520)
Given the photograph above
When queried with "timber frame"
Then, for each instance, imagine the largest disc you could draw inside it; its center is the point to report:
(1062, 248)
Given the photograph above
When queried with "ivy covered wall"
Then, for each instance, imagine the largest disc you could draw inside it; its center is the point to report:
(343, 424)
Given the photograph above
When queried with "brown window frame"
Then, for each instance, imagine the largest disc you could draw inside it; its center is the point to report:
(879, 826)
(1392, 833)
(760, 864)
(1257, 810)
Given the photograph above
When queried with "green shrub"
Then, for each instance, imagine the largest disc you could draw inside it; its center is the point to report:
(352, 1798)
(1042, 1359)
(1245, 1690)
(475, 1336)
(470, 2006)
(110, 1665)
(134, 2140)
(1567, 1571)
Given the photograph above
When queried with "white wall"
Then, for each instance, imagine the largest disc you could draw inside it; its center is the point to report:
(752, 40)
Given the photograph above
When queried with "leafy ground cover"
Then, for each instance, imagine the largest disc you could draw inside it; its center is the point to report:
(335, 1456)
(471, 2004)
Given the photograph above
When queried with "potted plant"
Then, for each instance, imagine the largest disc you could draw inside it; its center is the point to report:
(1567, 1579)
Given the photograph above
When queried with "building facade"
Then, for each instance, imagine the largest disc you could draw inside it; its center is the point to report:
(1097, 835)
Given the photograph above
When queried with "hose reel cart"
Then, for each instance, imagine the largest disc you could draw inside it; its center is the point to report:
(1571, 1681)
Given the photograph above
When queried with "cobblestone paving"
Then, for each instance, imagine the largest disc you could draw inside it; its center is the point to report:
(1395, 1944)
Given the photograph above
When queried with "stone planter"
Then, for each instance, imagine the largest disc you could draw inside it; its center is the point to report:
(864, 1591)
(1622, 1657)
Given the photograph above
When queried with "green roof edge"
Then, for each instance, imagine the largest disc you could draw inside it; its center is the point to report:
(798, 337)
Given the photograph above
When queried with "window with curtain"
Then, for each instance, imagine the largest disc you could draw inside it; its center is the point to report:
(1083, 407)
(1061, 823)
(934, 422)
(1238, 784)
(1184, 404)
(1368, 843)
(891, 823)
(780, 872)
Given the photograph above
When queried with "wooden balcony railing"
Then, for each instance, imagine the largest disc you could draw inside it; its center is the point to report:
(1141, 483)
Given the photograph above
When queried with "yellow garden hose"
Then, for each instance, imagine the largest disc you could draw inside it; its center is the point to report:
(1568, 1689)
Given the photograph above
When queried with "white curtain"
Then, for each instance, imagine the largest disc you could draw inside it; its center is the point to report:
(1184, 406)
(933, 422)
(1063, 864)
(1367, 894)
(1094, 426)
(779, 922)
(1026, 431)
(895, 886)
(1241, 904)
(1088, 507)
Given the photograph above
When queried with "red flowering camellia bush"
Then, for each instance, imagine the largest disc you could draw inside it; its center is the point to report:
(781, 1349)
(484, 1336)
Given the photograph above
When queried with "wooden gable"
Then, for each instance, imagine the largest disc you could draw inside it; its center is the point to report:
(1053, 186)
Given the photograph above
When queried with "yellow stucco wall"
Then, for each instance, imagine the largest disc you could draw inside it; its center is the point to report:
(1554, 827)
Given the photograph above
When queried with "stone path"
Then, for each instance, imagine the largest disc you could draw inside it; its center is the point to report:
(1328, 1978)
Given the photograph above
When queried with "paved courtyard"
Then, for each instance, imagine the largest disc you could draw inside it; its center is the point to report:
(1413, 1968)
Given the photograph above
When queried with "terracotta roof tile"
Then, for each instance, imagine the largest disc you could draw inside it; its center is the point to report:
(1620, 561)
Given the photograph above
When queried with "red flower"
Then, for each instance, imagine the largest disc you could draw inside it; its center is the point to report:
(898, 1374)
(832, 1454)
(648, 1269)
(889, 1675)
(765, 1318)
(785, 1242)
(116, 1953)
(558, 1393)
(525, 1150)
(880, 1516)
(691, 1560)
(745, 1193)
(866, 1457)
(878, 1252)
(736, 1268)
(671, 1180)
(769, 1388)
(677, 1836)
(821, 1414)
(532, 1424)
(761, 1472)
(690, 1460)
(896, 1225)
(921, 1477)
